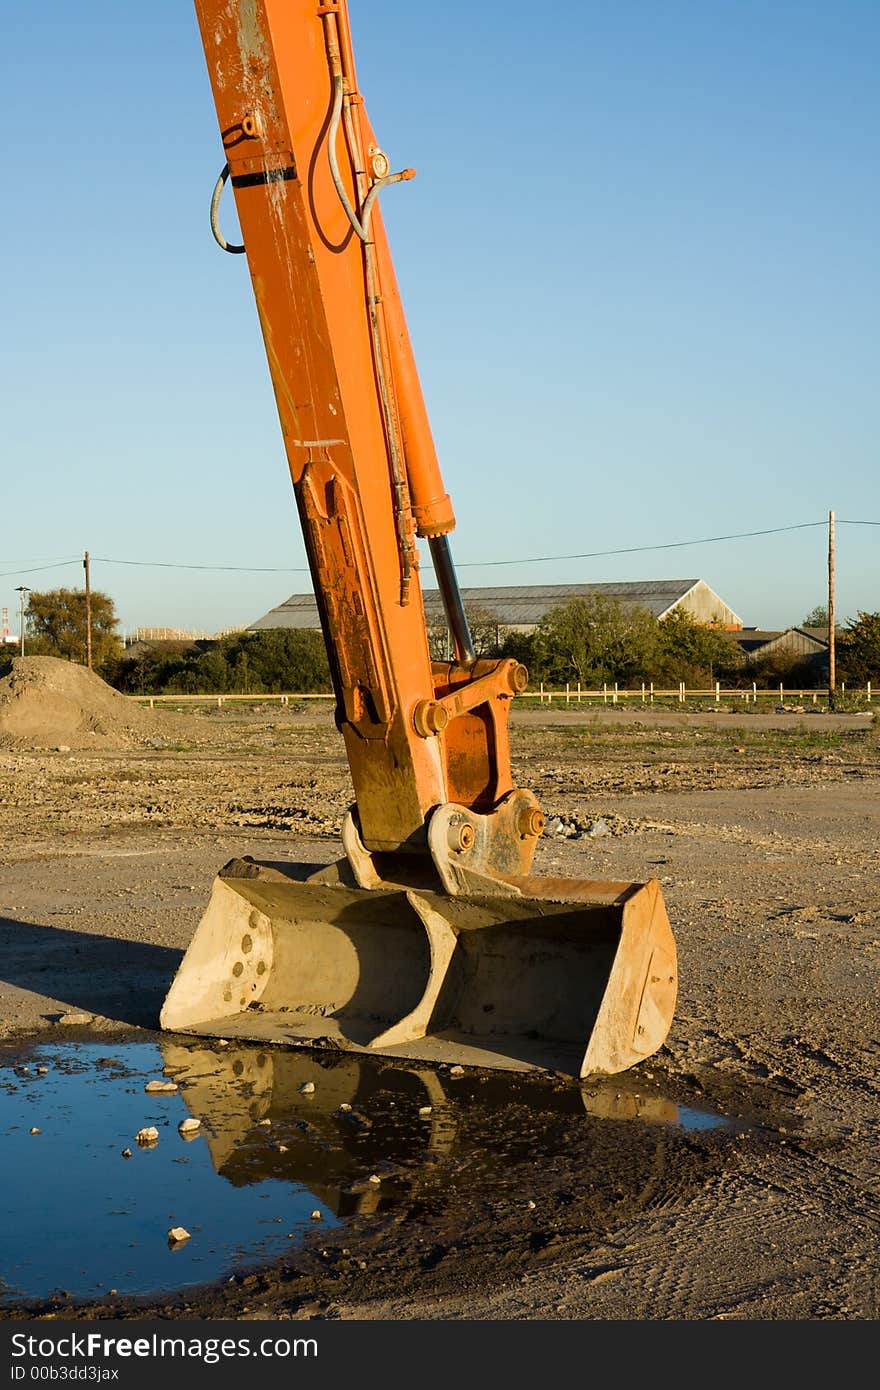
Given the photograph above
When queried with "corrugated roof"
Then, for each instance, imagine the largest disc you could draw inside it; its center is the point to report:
(526, 604)
(511, 604)
(751, 639)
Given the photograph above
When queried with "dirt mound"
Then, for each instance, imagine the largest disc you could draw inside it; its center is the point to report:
(47, 703)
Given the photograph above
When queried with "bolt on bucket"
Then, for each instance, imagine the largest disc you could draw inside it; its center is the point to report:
(563, 975)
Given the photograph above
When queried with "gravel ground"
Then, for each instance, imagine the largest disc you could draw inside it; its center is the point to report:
(763, 831)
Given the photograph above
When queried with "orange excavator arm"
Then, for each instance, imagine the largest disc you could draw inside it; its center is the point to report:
(429, 939)
(307, 171)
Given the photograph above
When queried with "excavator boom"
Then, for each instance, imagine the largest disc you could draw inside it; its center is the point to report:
(429, 934)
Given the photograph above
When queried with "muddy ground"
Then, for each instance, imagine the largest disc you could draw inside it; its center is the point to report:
(763, 831)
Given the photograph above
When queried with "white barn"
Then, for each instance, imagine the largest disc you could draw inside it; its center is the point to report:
(521, 606)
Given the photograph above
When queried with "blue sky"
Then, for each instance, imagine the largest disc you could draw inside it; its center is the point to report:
(639, 263)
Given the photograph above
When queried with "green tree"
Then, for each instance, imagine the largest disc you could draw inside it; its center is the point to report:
(817, 617)
(691, 652)
(160, 669)
(594, 639)
(209, 672)
(521, 645)
(487, 632)
(56, 626)
(276, 661)
(858, 650)
(790, 669)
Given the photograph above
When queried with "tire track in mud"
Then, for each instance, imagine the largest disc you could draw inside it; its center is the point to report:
(746, 1246)
(695, 1254)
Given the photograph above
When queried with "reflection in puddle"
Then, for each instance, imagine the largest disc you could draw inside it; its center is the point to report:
(333, 1121)
(700, 1119)
(282, 1133)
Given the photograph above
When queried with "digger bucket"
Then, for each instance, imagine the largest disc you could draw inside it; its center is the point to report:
(563, 975)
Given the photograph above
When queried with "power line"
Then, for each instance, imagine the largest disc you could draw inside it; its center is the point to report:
(231, 569)
(480, 564)
(640, 549)
(34, 569)
(461, 564)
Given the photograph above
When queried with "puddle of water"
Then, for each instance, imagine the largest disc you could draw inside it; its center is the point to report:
(701, 1119)
(81, 1218)
(283, 1132)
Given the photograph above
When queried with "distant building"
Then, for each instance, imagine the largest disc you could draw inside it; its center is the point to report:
(152, 635)
(804, 644)
(521, 607)
(170, 641)
(796, 641)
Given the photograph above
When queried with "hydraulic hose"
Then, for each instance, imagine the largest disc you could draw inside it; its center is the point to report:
(360, 226)
(215, 210)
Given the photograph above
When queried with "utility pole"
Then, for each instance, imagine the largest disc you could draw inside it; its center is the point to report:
(21, 590)
(832, 674)
(88, 613)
